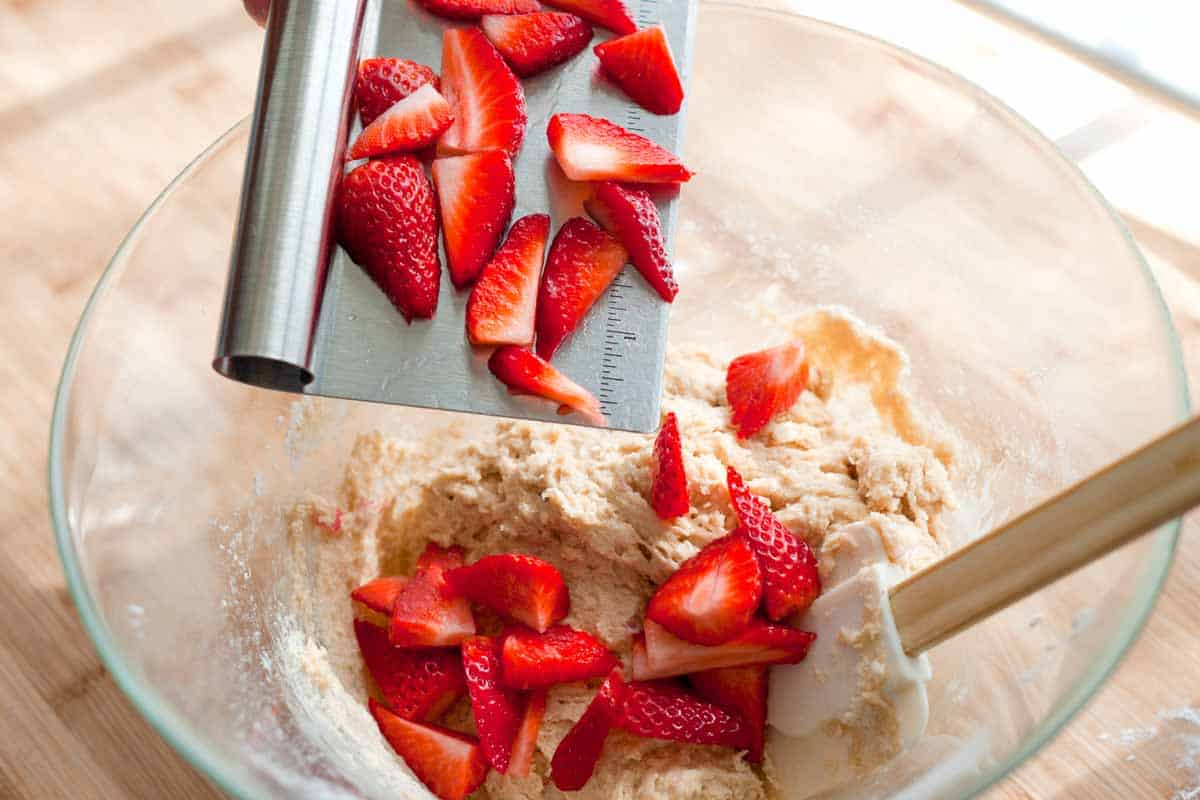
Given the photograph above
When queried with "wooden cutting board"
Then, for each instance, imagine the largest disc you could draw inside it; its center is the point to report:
(102, 103)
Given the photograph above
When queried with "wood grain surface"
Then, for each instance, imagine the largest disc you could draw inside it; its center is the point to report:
(101, 103)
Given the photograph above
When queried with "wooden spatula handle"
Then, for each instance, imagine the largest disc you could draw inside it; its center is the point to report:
(1092, 518)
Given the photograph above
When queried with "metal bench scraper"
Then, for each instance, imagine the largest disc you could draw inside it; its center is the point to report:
(301, 317)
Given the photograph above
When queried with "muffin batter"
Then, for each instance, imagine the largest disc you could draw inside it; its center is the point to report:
(852, 448)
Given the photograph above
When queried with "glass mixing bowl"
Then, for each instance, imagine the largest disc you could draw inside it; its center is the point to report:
(832, 169)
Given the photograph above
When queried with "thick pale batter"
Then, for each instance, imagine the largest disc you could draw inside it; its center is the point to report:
(851, 448)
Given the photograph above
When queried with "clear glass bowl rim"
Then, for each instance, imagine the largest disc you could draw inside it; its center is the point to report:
(178, 733)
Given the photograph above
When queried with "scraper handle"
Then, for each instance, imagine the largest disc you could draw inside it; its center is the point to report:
(284, 238)
(1091, 519)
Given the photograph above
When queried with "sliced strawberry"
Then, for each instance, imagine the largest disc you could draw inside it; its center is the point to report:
(502, 303)
(712, 596)
(642, 65)
(760, 385)
(668, 481)
(425, 614)
(531, 43)
(575, 759)
(742, 690)
(486, 97)
(434, 556)
(525, 373)
(475, 192)
(594, 149)
(631, 216)
(761, 643)
(380, 594)
(383, 82)
(791, 581)
(660, 710)
(583, 261)
(560, 655)
(474, 9)
(610, 14)
(387, 223)
(450, 764)
(521, 588)
(414, 123)
(527, 735)
(497, 709)
(417, 684)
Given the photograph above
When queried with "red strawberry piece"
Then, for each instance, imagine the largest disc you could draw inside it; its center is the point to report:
(486, 97)
(610, 14)
(474, 9)
(443, 558)
(380, 594)
(742, 690)
(387, 223)
(497, 709)
(760, 385)
(575, 759)
(791, 581)
(583, 261)
(525, 373)
(668, 481)
(450, 764)
(527, 735)
(594, 149)
(414, 123)
(502, 303)
(531, 43)
(641, 64)
(417, 684)
(425, 614)
(661, 710)
(518, 587)
(560, 655)
(713, 595)
(475, 192)
(383, 82)
(761, 643)
(630, 215)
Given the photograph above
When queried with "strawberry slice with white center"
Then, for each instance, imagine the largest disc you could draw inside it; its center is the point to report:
(424, 613)
(380, 594)
(475, 193)
(593, 149)
(497, 709)
(761, 643)
(450, 764)
(575, 759)
(527, 735)
(584, 260)
(742, 690)
(417, 684)
(414, 123)
(660, 710)
(791, 580)
(630, 215)
(524, 372)
(386, 220)
(668, 481)
(562, 654)
(486, 97)
(474, 9)
(642, 65)
(504, 298)
(611, 14)
(520, 588)
(383, 82)
(713, 595)
(532, 43)
(762, 384)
